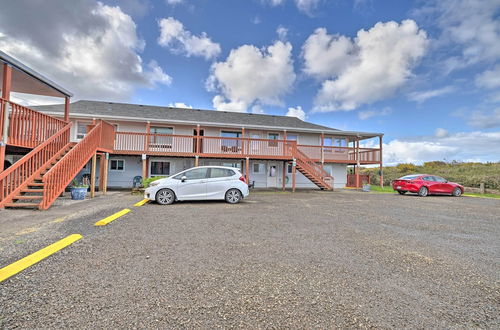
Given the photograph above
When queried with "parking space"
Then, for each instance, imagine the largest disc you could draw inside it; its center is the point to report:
(315, 259)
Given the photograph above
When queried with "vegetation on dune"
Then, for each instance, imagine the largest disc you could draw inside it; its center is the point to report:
(466, 174)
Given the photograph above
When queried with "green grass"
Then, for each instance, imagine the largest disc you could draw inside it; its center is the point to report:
(482, 195)
(388, 189)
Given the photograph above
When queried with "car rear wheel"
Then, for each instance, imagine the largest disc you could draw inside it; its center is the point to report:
(165, 197)
(457, 192)
(423, 192)
(233, 196)
(401, 192)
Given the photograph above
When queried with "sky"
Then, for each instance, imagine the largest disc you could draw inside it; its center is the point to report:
(425, 73)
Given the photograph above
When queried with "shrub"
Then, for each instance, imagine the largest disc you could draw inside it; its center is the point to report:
(406, 168)
(146, 182)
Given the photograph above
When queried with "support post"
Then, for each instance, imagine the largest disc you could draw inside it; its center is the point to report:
(196, 160)
(105, 174)
(381, 165)
(243, 141)
(101, 171)
(294, 174)
(284, 175)
(322, 148)
(92, 175)
(247, 169)
(66, 109)
(198, 146)
(357, 163)
(144, 166)
(4, 128)
(146, 140)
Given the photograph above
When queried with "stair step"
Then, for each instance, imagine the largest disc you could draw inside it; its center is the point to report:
(23, 205)
(28, 197)
(37, 184)
(32, 190)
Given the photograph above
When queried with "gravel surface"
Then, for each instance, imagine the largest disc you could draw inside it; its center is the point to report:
(316, 259)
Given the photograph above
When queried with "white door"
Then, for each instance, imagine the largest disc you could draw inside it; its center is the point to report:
(219, 182)
(272, 175)
(195, 185)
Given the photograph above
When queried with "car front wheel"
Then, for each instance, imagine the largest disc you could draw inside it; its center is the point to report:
(165, 197)
(457, 192)
(423, 192)
(401, 192)
(233, 196)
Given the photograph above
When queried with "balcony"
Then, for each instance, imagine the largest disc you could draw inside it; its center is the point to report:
(131, 143)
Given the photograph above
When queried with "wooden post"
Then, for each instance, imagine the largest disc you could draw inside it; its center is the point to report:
(381, 165)
(294, 174)
(105, 174)
(284, 143)
(102, 158)
(247, 170)
(243, 141)
(285, 168)
(144, 166)
(4, 128)
(92, 175)
(146, 139)
(198, 146)
(481, 188)
(66, 109)
(357, 162)
(196, 160)
(322, 148)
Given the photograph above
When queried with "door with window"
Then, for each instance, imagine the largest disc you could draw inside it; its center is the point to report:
(158, 141)
(218, 182)
(231, 144)
(272, 175)
(194, 186)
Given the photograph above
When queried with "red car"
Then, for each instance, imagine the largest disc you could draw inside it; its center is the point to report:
(425, 184)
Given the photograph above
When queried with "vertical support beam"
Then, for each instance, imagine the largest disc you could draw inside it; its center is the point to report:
(102, 158)
(92, 175)
(198, 142)
(381, 166)
(243, 141)
(4, 128)
(357, 162)
(285, 168)
(322, 148)
(196, 160)
(105, 174)
(66, 109)
(146, 139)
(294, 174)
(144, 166)
(247, 170)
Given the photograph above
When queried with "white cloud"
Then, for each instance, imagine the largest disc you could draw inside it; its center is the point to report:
(256, 20)
(364, 70)
(490, 78)
(482, 119)
(441, 132)
(178, 40)
(366, 114)
(296, 112)
(423, 96)
(90, 48)
(180, 105)
(282, 33)
(306, 6)
(250, 74)
(459, 146)
(174, 2)
(257, 109)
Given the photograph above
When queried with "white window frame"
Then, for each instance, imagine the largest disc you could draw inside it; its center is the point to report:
(117, 159)
(159, 161)
(261, 167)
(79, 123)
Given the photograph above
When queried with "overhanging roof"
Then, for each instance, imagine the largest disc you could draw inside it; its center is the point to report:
(27, 80)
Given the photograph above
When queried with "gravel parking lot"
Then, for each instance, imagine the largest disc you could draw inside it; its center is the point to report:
(309, 259)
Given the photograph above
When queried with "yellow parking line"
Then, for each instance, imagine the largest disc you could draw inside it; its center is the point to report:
(33, 258)
(115, 216)
(141, 203)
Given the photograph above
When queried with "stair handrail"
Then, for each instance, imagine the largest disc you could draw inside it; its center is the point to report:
(60, 175)
(16, 177)
(310, 165)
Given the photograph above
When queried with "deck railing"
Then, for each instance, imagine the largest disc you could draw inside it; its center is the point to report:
(215, 146)
(16, 177)
(28, 128)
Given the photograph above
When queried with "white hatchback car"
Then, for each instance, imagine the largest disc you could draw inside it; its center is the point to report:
(200, 183)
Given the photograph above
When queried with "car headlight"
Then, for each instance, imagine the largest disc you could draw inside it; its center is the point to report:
(154, 183)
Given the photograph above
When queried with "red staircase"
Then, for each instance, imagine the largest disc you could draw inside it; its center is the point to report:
(37, 179)
(314, 172)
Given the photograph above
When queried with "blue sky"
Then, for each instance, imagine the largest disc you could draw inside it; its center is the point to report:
(425, 73)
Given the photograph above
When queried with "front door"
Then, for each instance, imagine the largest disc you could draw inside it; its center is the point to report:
(195, 133)
(195, 185)
(272, 175)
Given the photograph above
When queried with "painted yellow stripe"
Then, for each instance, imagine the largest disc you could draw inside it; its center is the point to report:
(33, 258)
(115, 216)
(141, 203)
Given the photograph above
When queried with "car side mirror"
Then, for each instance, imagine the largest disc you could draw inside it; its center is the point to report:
(183, 178)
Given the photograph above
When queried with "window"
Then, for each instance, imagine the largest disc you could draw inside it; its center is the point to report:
(340, 142)
(116, 165)
(292, 137)
(220, 173)
(235, 165)
(328, 143)
(160, 168)
(425, 178)
(81, 129)
(273, 136)
(161, 130)
(289, 169)
(196, 174)
(161, 141)
(439, 179)
(230, 144)
(258, 168)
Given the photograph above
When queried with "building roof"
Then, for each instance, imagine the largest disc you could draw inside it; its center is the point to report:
(39, 85)
(123, 111)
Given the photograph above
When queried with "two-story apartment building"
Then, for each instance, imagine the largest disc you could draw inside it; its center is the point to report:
(159, 141)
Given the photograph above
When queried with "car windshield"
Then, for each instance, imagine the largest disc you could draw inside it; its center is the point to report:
(409, 177)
